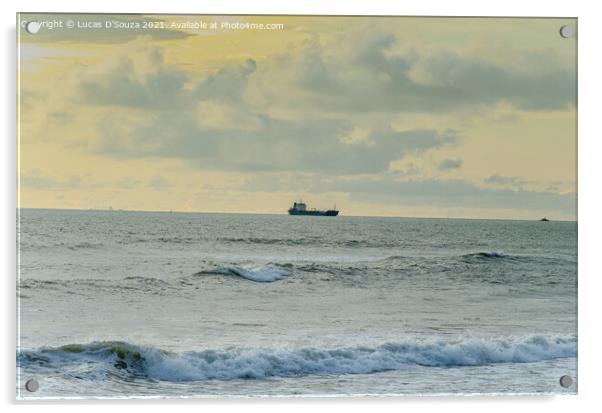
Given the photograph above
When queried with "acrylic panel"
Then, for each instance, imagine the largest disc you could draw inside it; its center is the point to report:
(218, 206)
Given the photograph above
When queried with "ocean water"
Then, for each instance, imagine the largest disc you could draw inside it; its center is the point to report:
(135, 304)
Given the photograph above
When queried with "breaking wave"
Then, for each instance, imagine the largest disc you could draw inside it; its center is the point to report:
(157, 364)
(267, 273)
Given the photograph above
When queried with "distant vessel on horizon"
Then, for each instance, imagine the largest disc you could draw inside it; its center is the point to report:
(300, 208)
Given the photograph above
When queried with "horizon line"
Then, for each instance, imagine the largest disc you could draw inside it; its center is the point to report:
(277, 213)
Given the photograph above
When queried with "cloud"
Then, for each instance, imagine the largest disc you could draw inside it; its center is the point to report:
(141, 79)
(452, 78)
(278, 145)
(219, 115)
(377, 74)
(500, 180)
(159, 183)
(449, 164)
(219, 122)
(338, 112)
(209, 124)
(227, 84)
(35, 179)
(127, 183)
(357, 136)
(123, 83)
(388, 189)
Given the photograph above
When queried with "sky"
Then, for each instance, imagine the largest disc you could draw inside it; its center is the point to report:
(382, 116)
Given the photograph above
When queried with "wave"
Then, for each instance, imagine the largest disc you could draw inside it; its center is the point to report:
(157, 364)
(136, 283)
(490, 254)
(311, 241)
(267, 273)
(472, 256)
(85, 245)
(500, 256)
(60, 245)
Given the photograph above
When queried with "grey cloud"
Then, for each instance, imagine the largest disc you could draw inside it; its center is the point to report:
(461, 193)
(165, 87)
(411, 170)
(227, 84)
(278, 145)
(312, 71)
(470, 80)
(378, 81)
(176, 130)
(388, 189)
(121, 87)
(504, 180)
(449, 164)
(374, 79)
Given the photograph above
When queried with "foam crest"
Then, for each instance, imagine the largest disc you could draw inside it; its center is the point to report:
(157, 364)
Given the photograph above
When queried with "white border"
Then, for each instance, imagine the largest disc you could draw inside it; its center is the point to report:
(590, 206)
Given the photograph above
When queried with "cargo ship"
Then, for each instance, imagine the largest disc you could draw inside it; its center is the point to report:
(300, 208)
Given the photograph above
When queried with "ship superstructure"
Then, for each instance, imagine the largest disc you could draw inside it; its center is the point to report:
(300, 208)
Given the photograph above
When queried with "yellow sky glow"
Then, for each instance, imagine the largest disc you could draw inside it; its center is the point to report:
(446, 117)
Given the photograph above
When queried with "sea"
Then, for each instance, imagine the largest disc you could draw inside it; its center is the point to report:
(120, 304)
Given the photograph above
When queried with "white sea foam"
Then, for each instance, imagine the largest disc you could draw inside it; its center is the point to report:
(497, 254)
(263, 363)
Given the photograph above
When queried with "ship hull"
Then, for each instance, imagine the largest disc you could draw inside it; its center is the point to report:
(329, 213)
